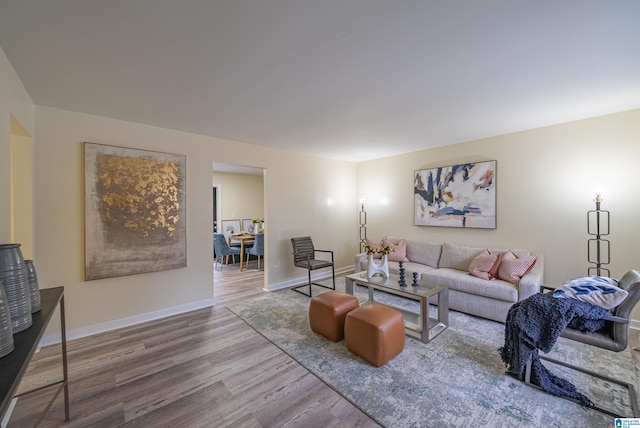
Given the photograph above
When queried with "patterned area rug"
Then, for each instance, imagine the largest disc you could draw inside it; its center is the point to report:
(456, 380)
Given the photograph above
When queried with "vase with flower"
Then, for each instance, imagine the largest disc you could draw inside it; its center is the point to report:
(258, 225)
(381, 268)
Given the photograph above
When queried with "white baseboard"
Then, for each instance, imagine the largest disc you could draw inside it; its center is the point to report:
(163, 313)
(77, 333)
(304, 279)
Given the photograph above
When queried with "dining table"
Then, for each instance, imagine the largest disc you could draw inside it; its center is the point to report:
(243, 238)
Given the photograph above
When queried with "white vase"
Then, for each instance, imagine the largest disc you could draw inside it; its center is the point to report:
(381, 268)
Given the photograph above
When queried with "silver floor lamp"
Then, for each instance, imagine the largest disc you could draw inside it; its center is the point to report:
(598, 249)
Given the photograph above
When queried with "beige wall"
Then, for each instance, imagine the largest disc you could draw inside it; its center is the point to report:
(241, 196)
(22, 223)
(17, 117)
(105, 303)
(545, 183)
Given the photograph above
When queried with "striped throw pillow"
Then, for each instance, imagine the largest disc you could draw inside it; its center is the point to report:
(513, 268)
(485, 265)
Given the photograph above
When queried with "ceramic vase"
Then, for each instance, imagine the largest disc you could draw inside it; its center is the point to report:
(34, 287)
(6, 332)
(13, 275)
(381, 268)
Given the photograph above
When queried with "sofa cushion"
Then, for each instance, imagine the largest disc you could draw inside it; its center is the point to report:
(512, 268)
(485, 265)
(463, 282)
(426, 253)
(398, 250)
(458, 256)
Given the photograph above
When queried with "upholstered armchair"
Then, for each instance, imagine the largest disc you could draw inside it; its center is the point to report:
(256, 250)
(613, 337)
(222, 249)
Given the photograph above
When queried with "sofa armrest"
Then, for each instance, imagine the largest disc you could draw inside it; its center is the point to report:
(358, 261)
(531, 282)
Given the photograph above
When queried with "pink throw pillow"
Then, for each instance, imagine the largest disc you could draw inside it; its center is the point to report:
(485, 265)
(398, 251)
(513, 268)
(375, 245)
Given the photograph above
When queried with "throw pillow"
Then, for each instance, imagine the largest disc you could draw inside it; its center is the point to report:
(485, 265)
(597, 290)
(375, 245)
(398, 251)
(513, 268)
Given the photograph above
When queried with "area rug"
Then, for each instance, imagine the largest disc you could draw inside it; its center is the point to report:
(456, 380)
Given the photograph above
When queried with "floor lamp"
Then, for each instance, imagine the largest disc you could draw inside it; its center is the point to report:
(598, 249)
(363, 227)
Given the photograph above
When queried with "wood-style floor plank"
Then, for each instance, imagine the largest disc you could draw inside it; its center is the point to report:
(205, 368)
(200, 369)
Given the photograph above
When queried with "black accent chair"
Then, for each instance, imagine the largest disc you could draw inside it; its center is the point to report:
(304, 256)
(614, 337)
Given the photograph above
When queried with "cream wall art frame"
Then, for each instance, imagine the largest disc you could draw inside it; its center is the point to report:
(462, 195)
(135, 211)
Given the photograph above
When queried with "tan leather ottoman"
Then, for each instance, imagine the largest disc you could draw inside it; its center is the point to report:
(375, 332)
(327, 312)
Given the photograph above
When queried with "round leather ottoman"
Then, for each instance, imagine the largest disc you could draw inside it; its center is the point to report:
(375, 332)
(327, 312)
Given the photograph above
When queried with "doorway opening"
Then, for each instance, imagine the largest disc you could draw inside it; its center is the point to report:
(238, 208)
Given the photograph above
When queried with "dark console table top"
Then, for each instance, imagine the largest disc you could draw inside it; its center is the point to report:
(14, 365)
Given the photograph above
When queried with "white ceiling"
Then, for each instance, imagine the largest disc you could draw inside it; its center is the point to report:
(346, 79)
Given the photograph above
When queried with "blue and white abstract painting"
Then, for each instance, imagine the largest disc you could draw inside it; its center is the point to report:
(461, 195)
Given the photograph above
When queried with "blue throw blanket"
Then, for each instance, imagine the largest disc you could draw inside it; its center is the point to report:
(535, 324)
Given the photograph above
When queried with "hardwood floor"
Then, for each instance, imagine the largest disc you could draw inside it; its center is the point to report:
(205, 368)
(200, 369)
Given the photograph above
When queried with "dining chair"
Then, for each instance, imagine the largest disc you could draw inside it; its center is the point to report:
(222, 249)
(304, 256)
(257, 249)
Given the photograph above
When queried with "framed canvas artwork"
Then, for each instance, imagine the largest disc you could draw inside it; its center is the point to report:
(461, 195)
(248, 226)
(230, 227)
(135, 211)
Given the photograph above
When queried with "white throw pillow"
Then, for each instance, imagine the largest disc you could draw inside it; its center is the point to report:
(597, 290)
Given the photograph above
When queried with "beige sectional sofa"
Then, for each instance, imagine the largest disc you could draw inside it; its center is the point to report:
(448, 265)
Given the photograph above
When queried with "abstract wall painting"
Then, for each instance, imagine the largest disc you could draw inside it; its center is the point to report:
(135, 211)
(461, 195)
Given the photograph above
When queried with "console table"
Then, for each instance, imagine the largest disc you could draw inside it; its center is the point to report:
(14, 365)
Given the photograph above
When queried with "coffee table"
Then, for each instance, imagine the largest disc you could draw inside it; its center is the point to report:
(419, 326)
